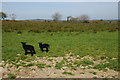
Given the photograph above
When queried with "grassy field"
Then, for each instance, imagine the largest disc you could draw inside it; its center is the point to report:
(99, 40)
(61, 43)
(63, 37)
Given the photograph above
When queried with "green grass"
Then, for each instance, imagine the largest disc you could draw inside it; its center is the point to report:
(50, 59)
(94, 73)
(78, 43)
(103, 57)
(82, 73)
(113, 64)
(24, 65)
(41, 65)
(69, 73)
(48, 66)
(58, 65)
(94, 77)
(84, 62)
(11, 76)
(30, 64)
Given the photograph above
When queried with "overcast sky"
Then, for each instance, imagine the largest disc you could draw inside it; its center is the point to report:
(44, 10)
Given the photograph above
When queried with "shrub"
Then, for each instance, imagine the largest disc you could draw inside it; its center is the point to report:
(11, 76)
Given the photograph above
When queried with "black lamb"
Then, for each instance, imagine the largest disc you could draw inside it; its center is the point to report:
(42, 46)
(28, 47)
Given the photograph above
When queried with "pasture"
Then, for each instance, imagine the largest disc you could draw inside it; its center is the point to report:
(97, 40)
(61, 43)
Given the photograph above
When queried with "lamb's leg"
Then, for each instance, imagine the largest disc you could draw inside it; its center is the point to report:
(46, 49)
(34, 51)
(42, 49)
(26, 52)
(31, 51)
(31, 54)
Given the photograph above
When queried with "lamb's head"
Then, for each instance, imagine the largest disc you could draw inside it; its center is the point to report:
(23, 43)
(40, 43)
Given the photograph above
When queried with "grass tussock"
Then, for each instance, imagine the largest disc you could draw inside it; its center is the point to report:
(68, 73)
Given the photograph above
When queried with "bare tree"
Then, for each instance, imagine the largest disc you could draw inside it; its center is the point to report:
(56, 16)
(13, 16)
(3, 15)
(83, 18)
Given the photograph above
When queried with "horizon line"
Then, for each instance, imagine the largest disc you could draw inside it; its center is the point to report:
(52, 19)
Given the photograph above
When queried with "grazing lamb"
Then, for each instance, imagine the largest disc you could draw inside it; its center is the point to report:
(42, 46)
(28, 47)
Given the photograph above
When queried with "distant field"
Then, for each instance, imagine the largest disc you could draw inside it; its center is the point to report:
(98, 40)
(42, 26)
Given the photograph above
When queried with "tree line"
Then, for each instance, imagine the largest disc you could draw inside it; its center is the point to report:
(4, 15)
(56, 17)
